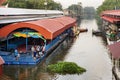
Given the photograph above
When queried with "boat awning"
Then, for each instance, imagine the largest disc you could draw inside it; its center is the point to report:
(1, 61)
(65, 21)
(49, 28)
(115, 50)
(110, 19)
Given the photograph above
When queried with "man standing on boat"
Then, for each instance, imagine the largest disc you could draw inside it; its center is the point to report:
(17, 55)
(38, 48)
(32, 50)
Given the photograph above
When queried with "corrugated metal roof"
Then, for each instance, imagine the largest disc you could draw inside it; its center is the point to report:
(13, 20)
(21, 11)
(10, 15)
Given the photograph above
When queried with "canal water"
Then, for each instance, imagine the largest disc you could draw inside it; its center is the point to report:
(86, 50)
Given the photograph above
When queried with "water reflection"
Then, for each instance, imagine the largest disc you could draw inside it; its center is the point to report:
(86, 50)
(37, 72)
(89, 52)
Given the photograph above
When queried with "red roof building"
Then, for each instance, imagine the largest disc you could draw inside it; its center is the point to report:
(112, 18)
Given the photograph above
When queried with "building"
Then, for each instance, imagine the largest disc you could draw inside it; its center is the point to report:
(111, 26)
(23, 28)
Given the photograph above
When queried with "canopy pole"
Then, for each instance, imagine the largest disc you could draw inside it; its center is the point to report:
(26, 44)
(26, 41)
(7, 43)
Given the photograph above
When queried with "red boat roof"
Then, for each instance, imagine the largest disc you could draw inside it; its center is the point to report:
(49, 28)
(110, 19)
(111, 12)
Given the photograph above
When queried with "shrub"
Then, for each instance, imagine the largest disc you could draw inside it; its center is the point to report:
(65, 68)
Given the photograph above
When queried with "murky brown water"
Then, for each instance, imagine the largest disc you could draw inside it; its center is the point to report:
(86, 50)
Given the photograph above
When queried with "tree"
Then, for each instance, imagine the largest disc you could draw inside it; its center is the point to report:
(89, 12)
(109, 5)
(34, 4)
(75, 8)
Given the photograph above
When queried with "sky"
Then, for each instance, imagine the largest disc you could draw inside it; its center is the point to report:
(93, 3)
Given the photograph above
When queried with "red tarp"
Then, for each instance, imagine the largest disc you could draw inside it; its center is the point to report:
(110, 19)
(2, 1)
(49, 28)
(115, 50)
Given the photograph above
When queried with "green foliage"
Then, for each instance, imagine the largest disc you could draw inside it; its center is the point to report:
(76, 8)
(89, 12)
(109, 5)
(35, 4)
(65, 68)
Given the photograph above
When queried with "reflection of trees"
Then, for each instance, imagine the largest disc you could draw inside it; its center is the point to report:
(37, 72)
(5, 77)
(18, 72)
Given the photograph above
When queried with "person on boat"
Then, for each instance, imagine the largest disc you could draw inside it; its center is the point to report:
(38, 48)
(17, 55)
(35, 53)
(32, 50)
(43, 49)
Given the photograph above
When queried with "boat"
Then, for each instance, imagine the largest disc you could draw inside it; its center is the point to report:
(96, 32)
(49, 32)
(83, 30)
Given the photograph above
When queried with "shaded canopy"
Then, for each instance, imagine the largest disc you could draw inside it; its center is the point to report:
(49, 28)
(28, 34)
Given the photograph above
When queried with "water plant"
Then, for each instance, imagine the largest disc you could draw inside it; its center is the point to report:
(65, 68)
